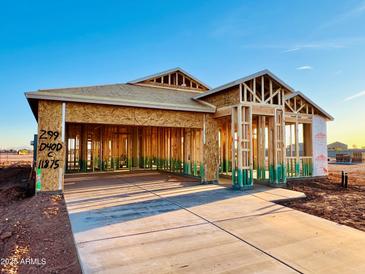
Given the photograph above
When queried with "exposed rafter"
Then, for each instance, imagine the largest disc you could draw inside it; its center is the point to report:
(297, 103)
(175, 78)
(262, 90)
(245, 79)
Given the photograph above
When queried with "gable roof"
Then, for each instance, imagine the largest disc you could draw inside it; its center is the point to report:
(244, 79)
(148, 96)
(321, 110)
(273, 76)
(124, 95)
(177, 69)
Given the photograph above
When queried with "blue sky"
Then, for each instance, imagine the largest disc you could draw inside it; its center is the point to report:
(318, 47)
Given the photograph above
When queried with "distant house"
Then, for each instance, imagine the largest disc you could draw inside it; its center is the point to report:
(23, 151)
(337, 146)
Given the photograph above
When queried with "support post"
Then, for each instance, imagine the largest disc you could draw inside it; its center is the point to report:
(233, 126)
(226, 147)
(239, 149)
(297, 163)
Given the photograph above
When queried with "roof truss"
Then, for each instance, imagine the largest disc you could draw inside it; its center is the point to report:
(245, 79)
(263, 90)
(298, 103)
(174, 78)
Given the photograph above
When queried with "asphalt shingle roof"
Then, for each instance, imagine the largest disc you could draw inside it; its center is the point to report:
(126, 95)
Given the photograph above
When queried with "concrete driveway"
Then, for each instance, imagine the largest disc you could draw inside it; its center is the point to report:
(159, 223)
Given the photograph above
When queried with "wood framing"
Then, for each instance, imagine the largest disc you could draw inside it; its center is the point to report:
(175, 78)
(253, 128)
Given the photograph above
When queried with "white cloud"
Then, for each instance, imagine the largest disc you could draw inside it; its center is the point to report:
(290, 47)
(304, 68)
(318, 45)
(359, 94)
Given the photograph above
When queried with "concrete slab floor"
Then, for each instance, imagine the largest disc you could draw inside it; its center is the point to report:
(149, 222)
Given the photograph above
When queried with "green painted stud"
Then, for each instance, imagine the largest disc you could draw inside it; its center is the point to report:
(271, 173)
(240, 178)
(251, 177)
(202, 172)
(233, 177)
(297, 169)
(244, 177)
(278, 173)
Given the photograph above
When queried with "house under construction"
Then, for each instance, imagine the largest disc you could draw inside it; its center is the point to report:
(254, 129)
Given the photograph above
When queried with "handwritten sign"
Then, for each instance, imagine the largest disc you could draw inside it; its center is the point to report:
(49, 143)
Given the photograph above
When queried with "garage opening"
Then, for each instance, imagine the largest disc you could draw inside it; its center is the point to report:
(93, 148)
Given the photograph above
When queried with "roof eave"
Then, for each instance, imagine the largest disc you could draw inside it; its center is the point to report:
(37, 96)
(32, 105)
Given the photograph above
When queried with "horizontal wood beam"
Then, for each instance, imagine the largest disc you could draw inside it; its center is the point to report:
(221, 112)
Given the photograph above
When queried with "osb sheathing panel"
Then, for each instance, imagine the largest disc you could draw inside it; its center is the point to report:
(104, 114)
(50, 119)
(221, 123)
(224, 98)
(211, 148)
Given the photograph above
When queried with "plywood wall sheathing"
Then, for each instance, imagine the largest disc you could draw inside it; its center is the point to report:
(50, 161)
(211, 149)
(104, 114)
(229, 97)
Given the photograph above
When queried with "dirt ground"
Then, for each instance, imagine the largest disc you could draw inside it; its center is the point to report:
(7, 159)
(356, 173)
(35, 233)
(327, 199)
